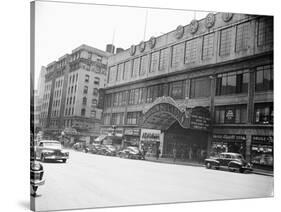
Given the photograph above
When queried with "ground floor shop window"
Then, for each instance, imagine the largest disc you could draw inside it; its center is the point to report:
(264, 113)
(228, 143)
(262, 150)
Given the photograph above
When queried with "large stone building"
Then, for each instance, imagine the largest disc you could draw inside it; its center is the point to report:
(71, 93)
(206, 86)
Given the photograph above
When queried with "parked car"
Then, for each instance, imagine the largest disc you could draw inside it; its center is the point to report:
(36, 170)
(108, 150)
(231, 161)
(93, 148)
(131, 153)
(51, 150)
(36, 176)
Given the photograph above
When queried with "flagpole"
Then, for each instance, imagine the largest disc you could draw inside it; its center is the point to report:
(145, 24)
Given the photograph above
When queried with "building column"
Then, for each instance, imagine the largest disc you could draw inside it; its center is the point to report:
(251, 91)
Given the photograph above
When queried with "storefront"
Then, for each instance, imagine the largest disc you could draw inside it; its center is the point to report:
(262, 151)
(228, 143)
(151, 141)
(131, 137)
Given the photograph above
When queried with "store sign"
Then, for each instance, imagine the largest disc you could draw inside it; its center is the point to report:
(262, 139)
(150, 135)
(130, 131)
(229, 115)
(229, 137)
(199, 118)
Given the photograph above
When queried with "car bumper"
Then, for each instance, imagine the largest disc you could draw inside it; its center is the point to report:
(55, 157)
(37, 182)
(247, 168)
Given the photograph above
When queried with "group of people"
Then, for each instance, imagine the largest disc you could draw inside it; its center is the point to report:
(196, 154)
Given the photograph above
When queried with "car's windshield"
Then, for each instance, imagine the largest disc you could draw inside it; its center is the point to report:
(52, 144)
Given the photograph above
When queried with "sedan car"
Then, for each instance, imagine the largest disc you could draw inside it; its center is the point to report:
(51, 150)
(231, 161)
(131, 153)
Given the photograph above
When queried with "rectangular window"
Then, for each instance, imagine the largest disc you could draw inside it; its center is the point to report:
(176, 90)
(154, 65)
(225, 41)
(127, 70)
(191, 51)
(264, 113)
(232, 83)
(177, 56)
(164, 58)
(136, 67)
(242, 36)
(119, 72)
(124, 98)
(264, 78)
(85, 91)
(112, 74)
(87, 77)
(143, 65)
(133, 118)
(231, 114)
(200, 87)
(265, 31)
(208, 46)
(131, 97)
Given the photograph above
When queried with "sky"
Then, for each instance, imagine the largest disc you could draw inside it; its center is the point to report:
(62, 27)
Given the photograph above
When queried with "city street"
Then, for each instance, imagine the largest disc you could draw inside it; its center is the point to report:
(89, 180)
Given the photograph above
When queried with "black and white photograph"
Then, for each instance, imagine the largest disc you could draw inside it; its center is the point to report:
(153, 105)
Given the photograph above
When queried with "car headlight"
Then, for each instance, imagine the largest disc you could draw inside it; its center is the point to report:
(36, 166)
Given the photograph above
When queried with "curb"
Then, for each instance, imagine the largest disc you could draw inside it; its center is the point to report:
(201, 165)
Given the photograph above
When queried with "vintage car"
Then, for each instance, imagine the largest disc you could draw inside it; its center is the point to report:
(131, 153)
(36, 176)
(36, 170)
(231, 161)
(51, 150)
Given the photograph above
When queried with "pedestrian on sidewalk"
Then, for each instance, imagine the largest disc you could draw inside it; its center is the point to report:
(174, 153)
(157, 153)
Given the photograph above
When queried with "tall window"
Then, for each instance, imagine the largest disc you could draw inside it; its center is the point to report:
(95, 91)
(191, 51)
(242, 36)
(177, 55)
(265, 31)
(264, 113)
(154, 62)
(136, 67)
(84, 102)
(124, 98)
(112, 74)
(94, 102)
(208, 46)
(143, 65)
(85, 91)
(200, 87)
(231, 114)
(232, 83)
(225, 41)
(264, 78)
(176, 90)
(119, 72)
(87, 77)
(132, 97)
(83, 112)
(127, 70)
(164, 56)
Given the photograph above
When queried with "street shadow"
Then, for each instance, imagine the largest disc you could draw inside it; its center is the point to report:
(24, 204)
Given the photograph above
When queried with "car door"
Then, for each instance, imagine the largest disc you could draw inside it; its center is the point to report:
(227, 159)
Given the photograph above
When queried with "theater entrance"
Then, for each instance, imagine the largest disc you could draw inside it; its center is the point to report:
(184, 132)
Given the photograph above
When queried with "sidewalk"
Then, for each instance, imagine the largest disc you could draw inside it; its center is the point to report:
(195, 163)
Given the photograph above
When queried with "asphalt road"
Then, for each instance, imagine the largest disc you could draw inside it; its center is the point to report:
(88, 181)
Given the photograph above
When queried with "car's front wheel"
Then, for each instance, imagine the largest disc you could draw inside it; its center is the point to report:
(64, 160)
(241, 170)
(208, 165)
